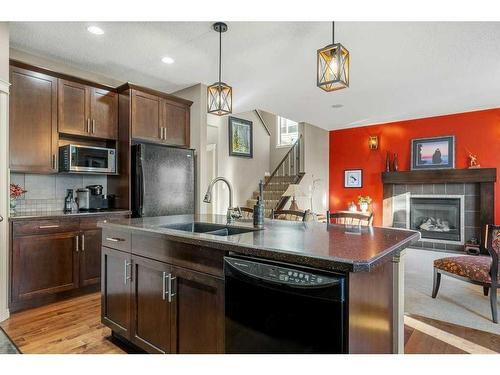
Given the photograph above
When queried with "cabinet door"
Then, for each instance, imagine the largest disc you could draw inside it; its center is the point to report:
(199, 312)
(90, 257)
(104, 113)
(175, 120)
(116, 276)
(33, 122)
(44, 264)
(151, 309)
(73, 108)
(145, 116)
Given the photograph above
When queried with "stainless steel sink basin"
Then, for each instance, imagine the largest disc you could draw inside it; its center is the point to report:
(209, 228)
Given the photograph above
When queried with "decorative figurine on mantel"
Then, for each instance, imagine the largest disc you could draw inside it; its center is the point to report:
(388, 162)
(473, 162)
(395, 163)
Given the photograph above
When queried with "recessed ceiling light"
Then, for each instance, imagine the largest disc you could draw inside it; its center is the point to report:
(337, 106)
(167, 60)
(95, 30)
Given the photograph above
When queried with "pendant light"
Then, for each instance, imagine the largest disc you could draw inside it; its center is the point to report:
(220, 94)
(333, 66)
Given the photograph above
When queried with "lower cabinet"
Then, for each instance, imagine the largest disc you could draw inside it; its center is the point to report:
(44, 265)
(160, 307)
(90, 257)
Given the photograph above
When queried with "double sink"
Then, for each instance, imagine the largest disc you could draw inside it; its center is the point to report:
(209, 228)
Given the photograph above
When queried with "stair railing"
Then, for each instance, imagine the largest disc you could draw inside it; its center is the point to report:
(289, 165)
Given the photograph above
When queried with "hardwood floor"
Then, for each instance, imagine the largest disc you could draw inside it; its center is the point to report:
(73, 326)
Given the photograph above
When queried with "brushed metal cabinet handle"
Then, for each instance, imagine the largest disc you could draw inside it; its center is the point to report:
(114, 239)
(88, 125)
(161, 133)
(93, 126)
(53, 161)
(126, 275)
(83, 242)
(77, 238)
(164, 285)
(170, 294)
(48, 226)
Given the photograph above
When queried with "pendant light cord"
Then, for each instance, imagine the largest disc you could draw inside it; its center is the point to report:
(220, 53)
(333, 32)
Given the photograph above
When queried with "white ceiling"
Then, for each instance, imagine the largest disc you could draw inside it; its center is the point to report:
(399, 70)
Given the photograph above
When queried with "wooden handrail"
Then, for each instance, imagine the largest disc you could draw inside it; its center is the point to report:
(297, 143)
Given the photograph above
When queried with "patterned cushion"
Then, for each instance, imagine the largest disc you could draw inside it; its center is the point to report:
(476, 268)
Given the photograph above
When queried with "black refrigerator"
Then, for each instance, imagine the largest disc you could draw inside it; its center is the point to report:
(163, 180)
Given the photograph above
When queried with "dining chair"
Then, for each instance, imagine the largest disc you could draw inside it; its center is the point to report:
(351, 218)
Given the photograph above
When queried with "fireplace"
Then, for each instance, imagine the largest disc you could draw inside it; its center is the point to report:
(439, 218)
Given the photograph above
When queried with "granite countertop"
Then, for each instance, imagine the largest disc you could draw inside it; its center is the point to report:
(59, 214)
(307, 243)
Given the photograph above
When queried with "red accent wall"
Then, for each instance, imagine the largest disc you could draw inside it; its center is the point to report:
(477, 131)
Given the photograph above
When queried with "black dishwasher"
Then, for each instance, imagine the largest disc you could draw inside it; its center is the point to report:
(274, 307)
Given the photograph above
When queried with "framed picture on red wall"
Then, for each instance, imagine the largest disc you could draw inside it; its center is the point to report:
(353, 178)
(433, 153)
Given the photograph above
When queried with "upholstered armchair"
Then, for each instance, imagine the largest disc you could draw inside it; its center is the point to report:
(480, 270)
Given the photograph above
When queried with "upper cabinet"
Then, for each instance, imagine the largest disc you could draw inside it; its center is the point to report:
(33, 121)
(87, 111)
(158, 117)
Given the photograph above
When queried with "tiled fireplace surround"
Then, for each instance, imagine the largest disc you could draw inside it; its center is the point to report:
(472, 207)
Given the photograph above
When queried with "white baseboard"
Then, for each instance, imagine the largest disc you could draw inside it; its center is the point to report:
(4, 315)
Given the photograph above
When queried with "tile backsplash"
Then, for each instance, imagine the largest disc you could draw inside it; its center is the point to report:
(47, 192)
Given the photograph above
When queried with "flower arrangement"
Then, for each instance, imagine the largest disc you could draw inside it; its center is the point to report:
(364, 202)
(16, 191)
(365, 199)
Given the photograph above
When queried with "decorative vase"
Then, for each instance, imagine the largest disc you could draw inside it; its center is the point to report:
(363, 206)
(395, 165)
(388, 162)
(13, 204)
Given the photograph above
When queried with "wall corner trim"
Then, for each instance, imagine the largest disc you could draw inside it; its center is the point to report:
(4, 86)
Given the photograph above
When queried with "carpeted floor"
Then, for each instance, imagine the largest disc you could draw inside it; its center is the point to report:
(6, 346)
(457, 302)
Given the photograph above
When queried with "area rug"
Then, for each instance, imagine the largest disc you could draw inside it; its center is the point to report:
(457, 302)
(7, 346)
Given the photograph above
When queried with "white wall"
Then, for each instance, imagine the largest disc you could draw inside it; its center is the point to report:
(316, 160)
(4, 167)
(244, 173)
(198, 127)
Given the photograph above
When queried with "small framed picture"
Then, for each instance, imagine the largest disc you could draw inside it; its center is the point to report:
(433, 153)
(353, 178)
(240, 137)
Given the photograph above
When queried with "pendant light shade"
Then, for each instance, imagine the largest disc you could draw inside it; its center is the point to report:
(333, 66)
(220, 94)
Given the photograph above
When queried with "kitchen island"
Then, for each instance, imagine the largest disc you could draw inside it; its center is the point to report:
(163, 277)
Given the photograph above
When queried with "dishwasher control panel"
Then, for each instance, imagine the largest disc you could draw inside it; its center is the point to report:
(280, 274)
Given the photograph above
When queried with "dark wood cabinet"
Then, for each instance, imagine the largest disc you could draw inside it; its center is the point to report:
(115, 290)
(146, 112)
(157, 117)
(152, 321)
(104, 113)
(44, 264)
(90, 257)
(73, 108)
(199, 312)
(33, 121)
(175, 121)
(87, 111)
(172, 309)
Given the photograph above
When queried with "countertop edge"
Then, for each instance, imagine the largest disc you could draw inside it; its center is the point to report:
(332, 264)
(62, 215)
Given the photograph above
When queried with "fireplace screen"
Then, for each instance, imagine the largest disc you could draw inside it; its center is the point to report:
(437, 218)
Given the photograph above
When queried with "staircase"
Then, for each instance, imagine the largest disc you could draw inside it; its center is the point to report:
(287, 172)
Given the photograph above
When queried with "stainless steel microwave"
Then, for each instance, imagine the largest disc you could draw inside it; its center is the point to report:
(80, 158)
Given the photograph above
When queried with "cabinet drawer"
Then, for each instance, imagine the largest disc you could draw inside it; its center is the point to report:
(91, 222)
(116, 239)
(28, 228)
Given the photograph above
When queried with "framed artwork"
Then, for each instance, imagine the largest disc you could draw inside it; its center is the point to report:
(240, 137)
(433, 153)
(353, 178)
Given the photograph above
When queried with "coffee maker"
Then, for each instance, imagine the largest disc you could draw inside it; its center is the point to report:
(92, 198)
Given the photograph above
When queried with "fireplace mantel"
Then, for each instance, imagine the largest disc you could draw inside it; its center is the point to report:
(441, 176)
